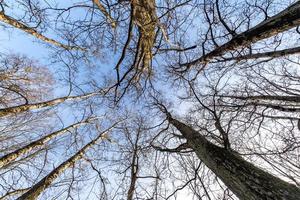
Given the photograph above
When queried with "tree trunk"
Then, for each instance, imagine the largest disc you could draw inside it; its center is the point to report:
(15, 23)
(266, 97)
(245, 180)
(8, 158)
(15, 192)
(270, 54)
(144, 16)
(134, 169)
(26, 107)
(285, 20)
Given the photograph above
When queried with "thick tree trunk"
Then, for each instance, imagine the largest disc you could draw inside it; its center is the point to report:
(245, 180)
(15, 23)
(8, 158)
(26, 107)
(144, 16)
(43, 184)
(285, 20)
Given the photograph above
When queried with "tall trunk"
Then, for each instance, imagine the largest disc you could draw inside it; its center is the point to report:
(43, 184)
(266, 97)
(245, 180)
(134, 172)
(15, 23)
(144, 16)
(134, 169)
(8, 158)
(26, 107)
(285, 20)
(270, 54)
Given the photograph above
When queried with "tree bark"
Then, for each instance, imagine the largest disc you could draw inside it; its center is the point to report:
(26, 107)
(15, 23)
(245, 180)
(144, 16)
(265, 97)
(285, 20)
(270, 54)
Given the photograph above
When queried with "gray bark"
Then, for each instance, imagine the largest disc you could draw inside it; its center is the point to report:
(245, 180)
(26, 107)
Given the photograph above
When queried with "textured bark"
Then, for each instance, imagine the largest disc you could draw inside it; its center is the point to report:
(285, 20)
(15, 23)
(8, 158)
(266, 97)
(144, 16)
(26, 107)
(43, 184)
(245, 180)
(15, 192)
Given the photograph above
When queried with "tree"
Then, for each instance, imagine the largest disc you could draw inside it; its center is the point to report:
(228, 68)
(38, 188)
(243, 178)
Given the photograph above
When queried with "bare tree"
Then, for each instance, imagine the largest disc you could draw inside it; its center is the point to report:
(39, 187)
(243, 178)
(229, 67)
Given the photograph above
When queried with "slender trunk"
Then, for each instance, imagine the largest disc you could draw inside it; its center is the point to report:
(270, 54)
(43, 184)
(265, 97)
(8, 158)
(283, 108)
(134, 170)
(144, 16)
(26, 107)
(285, 20)
(15, 23)
(245, 180)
